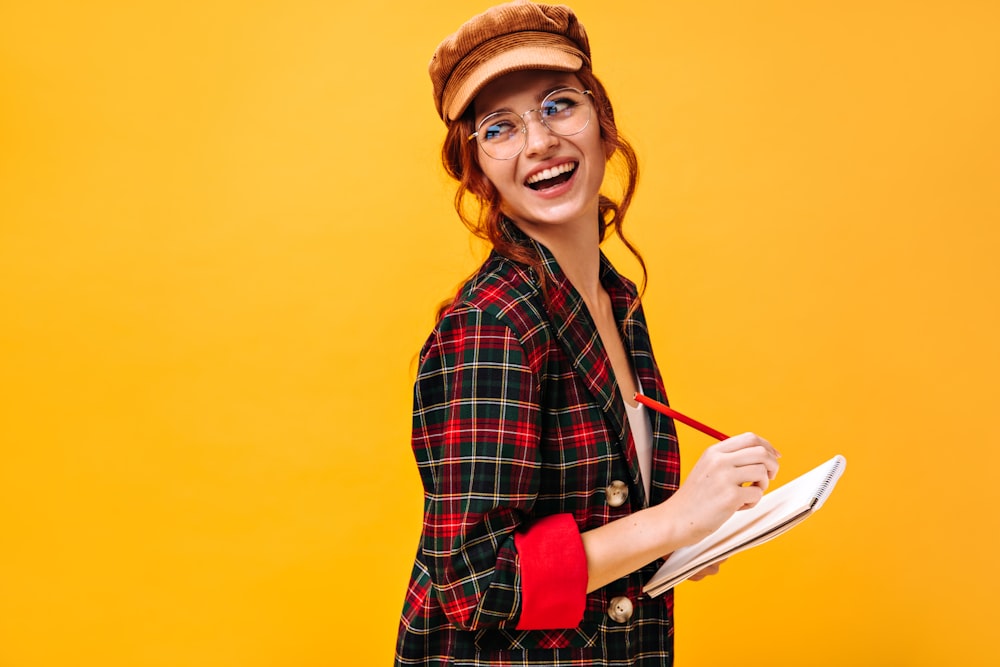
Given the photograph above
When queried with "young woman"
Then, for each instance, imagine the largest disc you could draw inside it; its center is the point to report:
(550, 496)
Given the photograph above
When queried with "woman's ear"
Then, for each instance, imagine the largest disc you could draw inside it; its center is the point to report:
(610, 146)
(610, 140)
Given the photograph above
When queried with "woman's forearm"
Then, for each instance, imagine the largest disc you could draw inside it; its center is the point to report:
(627, 544)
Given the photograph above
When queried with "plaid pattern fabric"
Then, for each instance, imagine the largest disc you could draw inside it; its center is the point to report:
(517, 417)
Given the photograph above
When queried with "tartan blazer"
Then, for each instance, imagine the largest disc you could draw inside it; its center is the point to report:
(522, 443)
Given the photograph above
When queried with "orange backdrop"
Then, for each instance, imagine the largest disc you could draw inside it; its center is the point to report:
(223, 230)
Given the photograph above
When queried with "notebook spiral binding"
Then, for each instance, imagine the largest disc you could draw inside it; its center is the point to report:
(831, 477)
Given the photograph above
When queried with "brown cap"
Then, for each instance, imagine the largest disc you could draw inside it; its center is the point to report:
(515, 36)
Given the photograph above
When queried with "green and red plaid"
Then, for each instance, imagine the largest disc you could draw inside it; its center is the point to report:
(518, 428)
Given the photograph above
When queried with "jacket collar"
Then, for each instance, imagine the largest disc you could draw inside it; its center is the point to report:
(577, 334)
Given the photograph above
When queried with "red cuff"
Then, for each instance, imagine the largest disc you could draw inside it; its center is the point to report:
(553, 574)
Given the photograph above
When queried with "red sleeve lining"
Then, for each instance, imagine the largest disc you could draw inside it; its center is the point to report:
(553, 568)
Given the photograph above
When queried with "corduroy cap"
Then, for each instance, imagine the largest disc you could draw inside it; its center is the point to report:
(507, 38)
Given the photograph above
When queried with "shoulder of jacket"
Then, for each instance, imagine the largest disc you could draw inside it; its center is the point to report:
(506, 291)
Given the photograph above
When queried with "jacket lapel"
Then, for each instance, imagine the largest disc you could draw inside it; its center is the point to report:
(578, 336)
(635, 338)
(666, 458)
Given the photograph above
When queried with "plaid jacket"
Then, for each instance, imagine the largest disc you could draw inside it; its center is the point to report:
(520, 436)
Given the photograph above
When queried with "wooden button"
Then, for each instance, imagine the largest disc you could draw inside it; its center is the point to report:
(616, 493)
(620, 609)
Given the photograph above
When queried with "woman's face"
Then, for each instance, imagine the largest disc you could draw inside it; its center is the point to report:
(557, 199)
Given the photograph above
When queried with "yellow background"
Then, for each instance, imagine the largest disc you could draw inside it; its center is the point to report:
(223, 230)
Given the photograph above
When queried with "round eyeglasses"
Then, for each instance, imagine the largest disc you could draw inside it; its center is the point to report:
(504, 134)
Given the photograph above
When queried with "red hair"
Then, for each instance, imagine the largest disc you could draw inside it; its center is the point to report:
(461, 160)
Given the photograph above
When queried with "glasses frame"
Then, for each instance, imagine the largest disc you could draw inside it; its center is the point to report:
(541, 118)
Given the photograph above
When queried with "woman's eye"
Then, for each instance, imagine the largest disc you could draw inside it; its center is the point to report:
(499, 130)
(552, 107)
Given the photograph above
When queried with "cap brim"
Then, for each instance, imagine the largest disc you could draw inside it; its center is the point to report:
(511, 60)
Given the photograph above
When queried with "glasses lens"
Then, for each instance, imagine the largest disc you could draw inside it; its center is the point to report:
(566, 111)
(501, 135)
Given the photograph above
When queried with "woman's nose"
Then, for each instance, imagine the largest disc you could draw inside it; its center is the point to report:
(539, 139)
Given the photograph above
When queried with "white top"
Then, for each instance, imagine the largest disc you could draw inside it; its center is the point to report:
(642, 435)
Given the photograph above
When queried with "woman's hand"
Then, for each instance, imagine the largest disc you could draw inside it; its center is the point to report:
(731, 475)
(708, 571)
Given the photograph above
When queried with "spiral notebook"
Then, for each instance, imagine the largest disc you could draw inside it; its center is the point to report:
(777, 512)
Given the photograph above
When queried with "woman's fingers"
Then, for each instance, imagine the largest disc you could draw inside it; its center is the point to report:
(745, 440)
(755, 456)
(706, 572)
(754, 475)
(749, 462)
(748, 453)
(751, 495)
(729, 476)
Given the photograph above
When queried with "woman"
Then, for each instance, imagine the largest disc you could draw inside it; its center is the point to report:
(550, 496)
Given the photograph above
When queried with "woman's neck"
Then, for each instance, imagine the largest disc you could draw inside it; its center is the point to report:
(577, 250)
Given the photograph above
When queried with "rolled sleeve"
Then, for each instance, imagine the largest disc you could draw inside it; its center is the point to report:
(476, 435)
(553, 568)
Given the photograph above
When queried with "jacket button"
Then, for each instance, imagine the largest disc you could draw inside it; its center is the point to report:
(616, 493)
(620, 609)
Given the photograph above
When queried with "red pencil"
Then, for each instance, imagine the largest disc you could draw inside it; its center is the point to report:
(670, 412)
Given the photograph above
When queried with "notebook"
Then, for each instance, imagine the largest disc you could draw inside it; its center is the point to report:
(778, 511)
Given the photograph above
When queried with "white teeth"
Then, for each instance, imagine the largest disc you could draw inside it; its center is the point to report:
(552, 172)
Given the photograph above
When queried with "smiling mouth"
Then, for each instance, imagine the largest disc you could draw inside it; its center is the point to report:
(549, 178)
